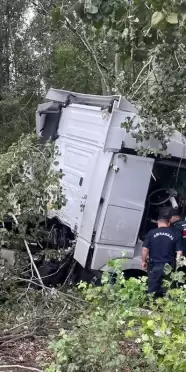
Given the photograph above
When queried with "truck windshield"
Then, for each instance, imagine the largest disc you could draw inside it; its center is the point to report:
(167, 174)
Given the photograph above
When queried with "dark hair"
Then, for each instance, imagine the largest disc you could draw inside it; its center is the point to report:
(175, 212)
(164, 214)
(163, 219)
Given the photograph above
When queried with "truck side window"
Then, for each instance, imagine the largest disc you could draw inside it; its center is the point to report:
(52, 118)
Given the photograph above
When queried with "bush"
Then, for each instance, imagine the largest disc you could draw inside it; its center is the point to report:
(93, 345)
(29, 186)
(161, 332)
(95, 342)
(113, 317)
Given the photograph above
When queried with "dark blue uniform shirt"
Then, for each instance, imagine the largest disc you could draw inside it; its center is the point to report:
(163, 243)
(181, 226)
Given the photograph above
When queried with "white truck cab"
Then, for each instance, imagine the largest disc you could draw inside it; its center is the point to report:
(107, 186)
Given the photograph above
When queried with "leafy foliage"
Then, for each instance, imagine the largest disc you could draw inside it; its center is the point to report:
(148, 38)
(114, 316)
(162, 332)
(136, 48)
(72, 69)
(37, 52)
(28, 184)
(94, 342)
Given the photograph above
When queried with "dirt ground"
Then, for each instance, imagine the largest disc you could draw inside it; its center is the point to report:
(28, 353)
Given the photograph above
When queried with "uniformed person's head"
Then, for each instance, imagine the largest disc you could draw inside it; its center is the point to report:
(175, 215)
(163, 218)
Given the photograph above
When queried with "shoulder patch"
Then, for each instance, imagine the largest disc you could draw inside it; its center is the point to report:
(184, 232)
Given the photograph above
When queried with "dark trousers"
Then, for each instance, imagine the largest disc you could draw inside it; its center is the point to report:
(156, 276)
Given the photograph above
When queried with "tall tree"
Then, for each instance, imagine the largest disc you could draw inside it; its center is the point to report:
(38, 52)
(149, 38)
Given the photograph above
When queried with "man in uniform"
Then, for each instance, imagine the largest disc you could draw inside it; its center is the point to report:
(162, 245)
(180, 225)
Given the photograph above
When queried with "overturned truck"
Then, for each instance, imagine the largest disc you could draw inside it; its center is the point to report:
(113, 195)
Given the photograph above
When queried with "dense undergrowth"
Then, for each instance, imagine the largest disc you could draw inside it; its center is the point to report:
(119, 331)
(111, 328)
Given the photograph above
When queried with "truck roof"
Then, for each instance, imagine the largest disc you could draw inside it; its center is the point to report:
(176, 142)
(88, 99)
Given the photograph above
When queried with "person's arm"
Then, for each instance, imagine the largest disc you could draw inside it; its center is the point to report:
(179, 246)
(179, 254)
(145, 252)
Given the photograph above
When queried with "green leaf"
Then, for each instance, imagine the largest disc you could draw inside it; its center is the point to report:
(90, 8)
(167, 269)
(130, 333)
(56, 15)
(145, 337)
(125, 33)
(172, 18)
(150, 324)
(179, 276)
(157, 18)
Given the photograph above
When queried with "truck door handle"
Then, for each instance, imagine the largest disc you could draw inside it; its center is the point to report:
(81, 181)
(82, 206)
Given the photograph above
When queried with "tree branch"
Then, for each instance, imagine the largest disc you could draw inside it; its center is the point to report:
(33, 264)
(13, 338)
(143, 82)
(176, 58)
(144, 67)
(90, 50)
(2, 367)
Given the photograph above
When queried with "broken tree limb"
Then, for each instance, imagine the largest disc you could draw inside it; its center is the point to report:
(2, 367)
(15, 338)
(33, 264)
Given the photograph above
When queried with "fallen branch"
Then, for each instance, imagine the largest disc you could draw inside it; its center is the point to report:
(15, 338)
(34, 265)
(68, 297)
(21, 367)
(15, 327)
(70, 272)
(143, 82)
(144, 67)
(176, 58)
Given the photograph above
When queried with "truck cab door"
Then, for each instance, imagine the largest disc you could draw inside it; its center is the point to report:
(124, 198)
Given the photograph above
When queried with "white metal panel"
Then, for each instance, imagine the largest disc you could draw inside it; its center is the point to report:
(176, 145)
(77, 161)
(127, 189)
(81, 251)
(91, 206)
(116, 134)
(104, 253)
(84, 123)
(123, 220)
(82, 134)
(123, 207)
